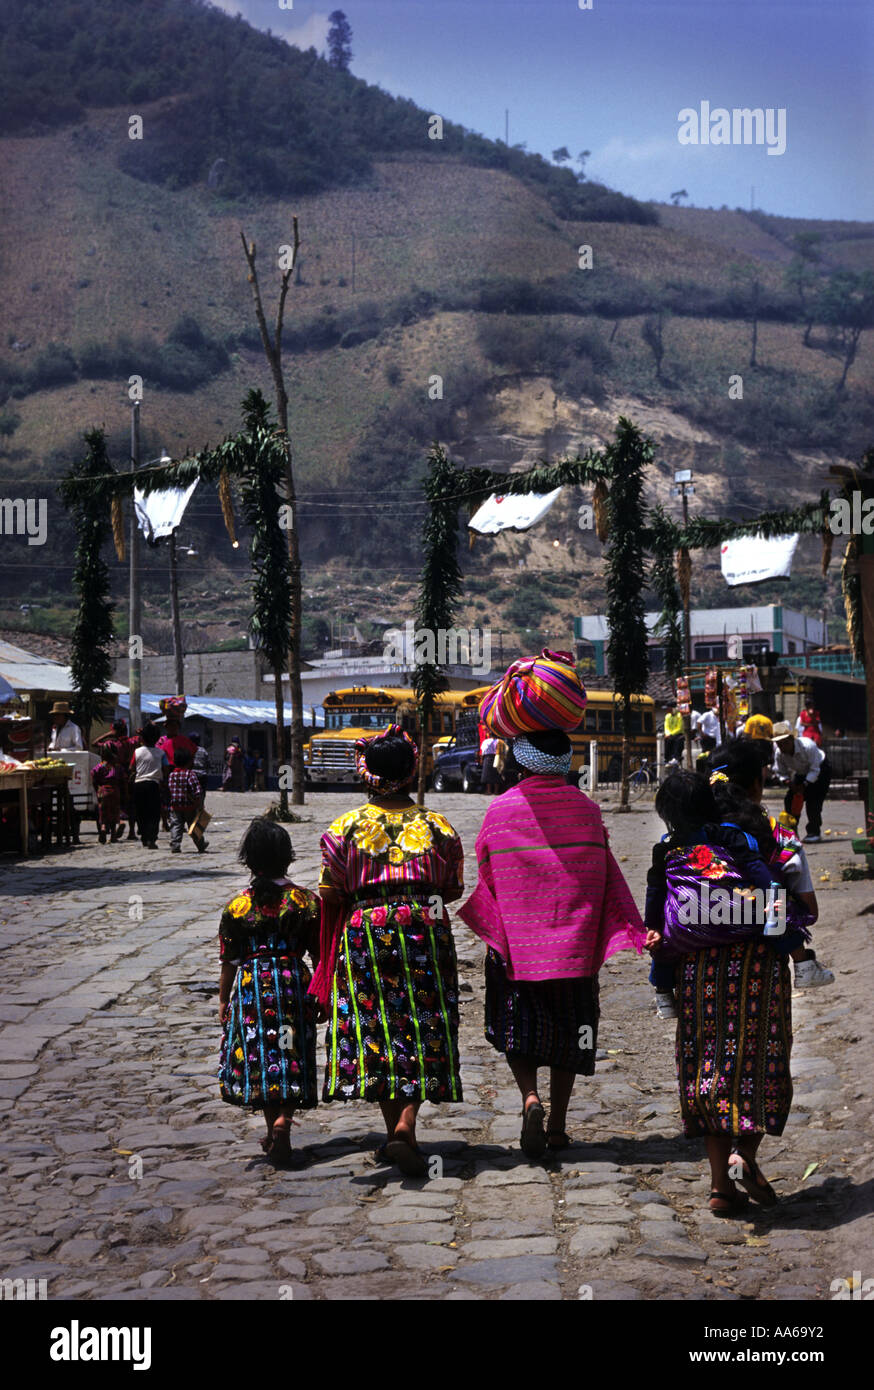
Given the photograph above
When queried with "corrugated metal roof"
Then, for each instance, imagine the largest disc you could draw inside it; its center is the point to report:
(221, 711)
(33, 673)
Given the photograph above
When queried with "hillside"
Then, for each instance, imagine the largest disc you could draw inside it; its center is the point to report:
(413, 262)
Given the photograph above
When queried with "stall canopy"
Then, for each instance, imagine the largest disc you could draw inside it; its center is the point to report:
(222, 711)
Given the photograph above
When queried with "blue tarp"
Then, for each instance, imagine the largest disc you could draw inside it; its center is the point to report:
(224, 711)
(7, 693)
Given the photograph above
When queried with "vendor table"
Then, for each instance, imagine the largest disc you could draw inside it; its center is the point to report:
(48, 787)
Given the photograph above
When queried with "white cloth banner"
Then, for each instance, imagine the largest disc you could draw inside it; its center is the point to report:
(750, 559)
(159, 513)
(514, 512)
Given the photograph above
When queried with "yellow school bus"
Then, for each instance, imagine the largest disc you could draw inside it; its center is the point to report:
(360, 711)
(602, 723)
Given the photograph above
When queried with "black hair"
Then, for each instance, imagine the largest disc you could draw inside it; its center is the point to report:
(149, 735)
(743, 761)
(181, 757)
(554, 743)
(195, 738)
(266, 851)
(685, 802)
(390, 756)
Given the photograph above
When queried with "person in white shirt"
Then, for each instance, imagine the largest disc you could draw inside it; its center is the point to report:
(806, 768)
(708, 730)
(66, 736)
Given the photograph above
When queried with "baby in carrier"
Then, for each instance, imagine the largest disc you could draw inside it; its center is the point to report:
(725, 872)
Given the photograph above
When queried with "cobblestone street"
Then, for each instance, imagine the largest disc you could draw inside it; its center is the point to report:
(126, 1177)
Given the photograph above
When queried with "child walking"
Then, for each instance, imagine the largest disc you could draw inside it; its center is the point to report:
(268, 1051)
(109, 782)
(186, 797)
(716, 829)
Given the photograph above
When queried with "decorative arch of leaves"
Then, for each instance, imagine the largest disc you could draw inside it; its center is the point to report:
(254, 461)
(644, 549)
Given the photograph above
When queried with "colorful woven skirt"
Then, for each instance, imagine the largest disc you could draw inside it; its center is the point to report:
(552, 1023)
(268, 1054)
(393, 1017)
(734, 1040)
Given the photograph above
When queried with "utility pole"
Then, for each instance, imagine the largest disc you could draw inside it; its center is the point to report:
(135, 659)
(506, 125)
(683, 485)
(178, 659)
(866, 582)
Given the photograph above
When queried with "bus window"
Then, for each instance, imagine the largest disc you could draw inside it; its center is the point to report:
(635, 725)
(605, 721)
(448, 722)
(590, 722)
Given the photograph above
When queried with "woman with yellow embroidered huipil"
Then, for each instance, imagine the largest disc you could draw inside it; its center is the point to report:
(388, 977)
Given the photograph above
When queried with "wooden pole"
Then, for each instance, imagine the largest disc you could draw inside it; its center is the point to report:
(866, 585)
(135, 660)
(178, 658)
(292, 746)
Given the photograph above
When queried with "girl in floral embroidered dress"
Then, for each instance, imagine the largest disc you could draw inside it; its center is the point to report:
(268, 1052)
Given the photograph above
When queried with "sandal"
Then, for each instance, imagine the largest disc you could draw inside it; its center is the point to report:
(755, 1182)
(731, 1203)
(408, 1157)
(533, 1137)
(558, 1139)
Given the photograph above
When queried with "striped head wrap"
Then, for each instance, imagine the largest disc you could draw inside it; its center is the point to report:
(532, 758)
(537, 693)
(382, 785)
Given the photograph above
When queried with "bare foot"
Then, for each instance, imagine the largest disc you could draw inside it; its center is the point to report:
(280, 1151)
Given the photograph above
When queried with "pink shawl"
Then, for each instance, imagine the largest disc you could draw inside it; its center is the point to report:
(550, 899)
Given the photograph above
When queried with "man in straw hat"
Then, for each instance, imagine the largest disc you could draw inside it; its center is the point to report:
(806, 768)
(66, 736)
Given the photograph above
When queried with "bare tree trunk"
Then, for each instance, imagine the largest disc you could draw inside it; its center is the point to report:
(423, 747)
(623, 791)
(282, 741)
(273, 353)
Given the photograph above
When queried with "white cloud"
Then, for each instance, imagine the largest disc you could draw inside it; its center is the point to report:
(620, 150)
(312, 33)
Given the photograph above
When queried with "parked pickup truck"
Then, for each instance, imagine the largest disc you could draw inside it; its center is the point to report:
(460, 764)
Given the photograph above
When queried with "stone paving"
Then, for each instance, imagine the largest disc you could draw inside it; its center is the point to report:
(126, 1177)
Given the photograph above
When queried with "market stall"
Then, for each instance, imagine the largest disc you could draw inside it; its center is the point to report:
(35, 804)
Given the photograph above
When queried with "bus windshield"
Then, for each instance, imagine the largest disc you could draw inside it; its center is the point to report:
(357, 718)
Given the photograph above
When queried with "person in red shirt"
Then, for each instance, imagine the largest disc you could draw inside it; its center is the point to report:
(173, 741)
(808, 724)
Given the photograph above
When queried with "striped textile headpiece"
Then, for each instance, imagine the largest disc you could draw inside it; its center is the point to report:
(537, 693)
(381, 784)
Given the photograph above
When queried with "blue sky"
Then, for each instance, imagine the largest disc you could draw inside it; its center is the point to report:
(614, 78)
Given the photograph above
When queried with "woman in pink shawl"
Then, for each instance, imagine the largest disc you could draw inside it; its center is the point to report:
(551, 905)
